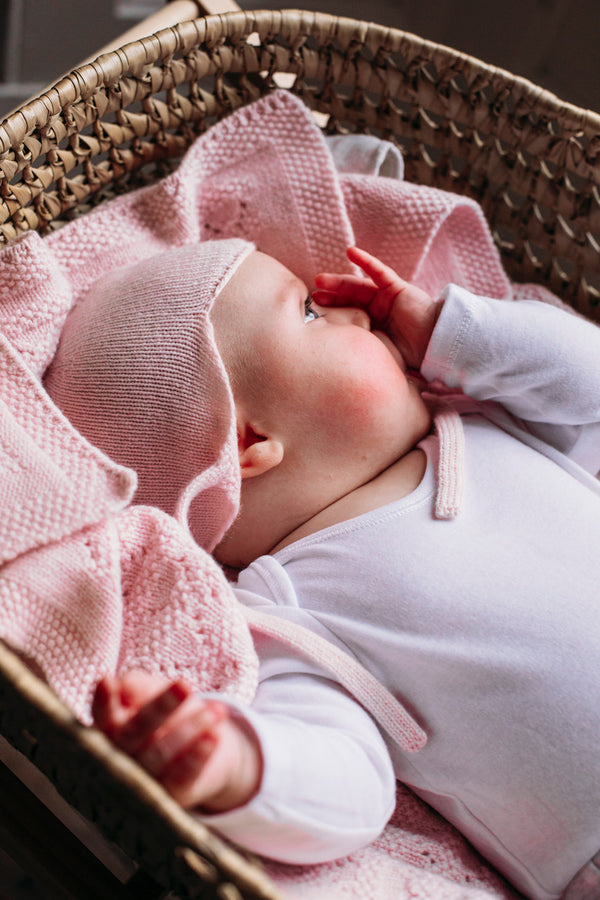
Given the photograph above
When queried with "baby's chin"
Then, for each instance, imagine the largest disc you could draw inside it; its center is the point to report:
(391, 347)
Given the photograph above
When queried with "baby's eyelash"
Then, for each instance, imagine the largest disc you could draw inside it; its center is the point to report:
(310, 312)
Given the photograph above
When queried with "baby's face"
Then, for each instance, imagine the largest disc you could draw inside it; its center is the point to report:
(328, 383)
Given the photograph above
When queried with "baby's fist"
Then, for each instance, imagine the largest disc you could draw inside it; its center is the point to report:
(192, 746)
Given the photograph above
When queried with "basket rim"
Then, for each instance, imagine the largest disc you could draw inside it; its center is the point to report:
(190, 835)
(107, 68)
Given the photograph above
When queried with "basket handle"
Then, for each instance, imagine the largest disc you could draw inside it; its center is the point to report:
(174, 12)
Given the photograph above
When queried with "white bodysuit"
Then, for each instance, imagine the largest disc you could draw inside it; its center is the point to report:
(487, 626)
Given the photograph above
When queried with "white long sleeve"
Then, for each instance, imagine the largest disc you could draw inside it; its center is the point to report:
(486, 625)
(328, 783)
(540, 362)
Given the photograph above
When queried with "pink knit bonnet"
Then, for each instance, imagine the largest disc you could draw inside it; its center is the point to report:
(138, 373)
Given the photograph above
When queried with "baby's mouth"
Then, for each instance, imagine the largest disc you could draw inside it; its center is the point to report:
(389, 344)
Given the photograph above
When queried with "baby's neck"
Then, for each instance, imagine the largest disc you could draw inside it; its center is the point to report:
(395, 482)
(272, 519)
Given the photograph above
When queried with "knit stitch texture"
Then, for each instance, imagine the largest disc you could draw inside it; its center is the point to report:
(90, 584)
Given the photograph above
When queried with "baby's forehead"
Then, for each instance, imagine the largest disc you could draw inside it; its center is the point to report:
(248, 307)
(260, 269)
(260, 281)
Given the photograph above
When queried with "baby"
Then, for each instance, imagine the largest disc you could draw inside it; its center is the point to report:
(478, 612)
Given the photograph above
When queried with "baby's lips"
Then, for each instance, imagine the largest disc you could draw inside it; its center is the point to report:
(383, 337)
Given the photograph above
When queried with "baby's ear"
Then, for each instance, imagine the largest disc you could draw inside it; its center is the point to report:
(257, 452)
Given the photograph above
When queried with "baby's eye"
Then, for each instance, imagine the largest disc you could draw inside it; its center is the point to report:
(310, 313)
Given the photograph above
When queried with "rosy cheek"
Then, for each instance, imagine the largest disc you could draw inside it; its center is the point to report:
(354, 386)
(365, 400)
(348, 416)
(363, 394)
(380, 376)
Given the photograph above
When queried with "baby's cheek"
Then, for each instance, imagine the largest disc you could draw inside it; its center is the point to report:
(364, 401)
(362, 397)
(378, 378)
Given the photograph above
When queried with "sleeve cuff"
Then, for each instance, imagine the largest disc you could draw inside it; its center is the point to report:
(452, 326)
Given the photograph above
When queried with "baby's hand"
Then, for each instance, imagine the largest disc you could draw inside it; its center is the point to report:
(404, 312)
(192, 746)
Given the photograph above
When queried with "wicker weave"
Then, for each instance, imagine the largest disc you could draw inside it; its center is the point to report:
(127, 805)
(530, 160)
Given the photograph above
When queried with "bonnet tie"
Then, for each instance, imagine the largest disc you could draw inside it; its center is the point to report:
(451, 461)
(384, 706)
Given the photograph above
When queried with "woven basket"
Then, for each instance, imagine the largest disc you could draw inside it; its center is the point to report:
(531, 161)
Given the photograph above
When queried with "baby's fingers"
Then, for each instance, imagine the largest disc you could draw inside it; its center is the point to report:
(190, 778)
(389, 285)
(194, 722)
(383, 276)
(107, 710)
(343, 290)
(218, 771)
(136, 733)
(118, 697)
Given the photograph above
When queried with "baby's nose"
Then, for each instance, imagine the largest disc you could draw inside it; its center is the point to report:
(349, 315)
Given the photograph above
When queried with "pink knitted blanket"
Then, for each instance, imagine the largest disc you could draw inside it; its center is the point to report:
(90, 584)
(419, 856)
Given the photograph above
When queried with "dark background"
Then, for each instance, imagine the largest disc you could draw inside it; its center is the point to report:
(554, 43)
